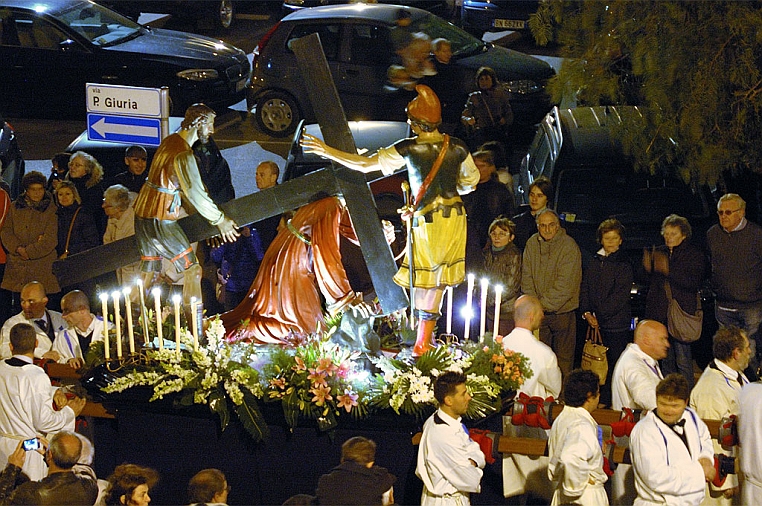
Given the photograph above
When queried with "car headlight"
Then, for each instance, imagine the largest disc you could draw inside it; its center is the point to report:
(198, 74)
(523, 86)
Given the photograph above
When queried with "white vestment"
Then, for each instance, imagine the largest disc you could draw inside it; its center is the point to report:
(750, 435)
(444, 462)
(666, 472)
(67, 343)
(44, 343)
(576, 459)
(522, 473)
(26, 411)
(715, 397)
(633, 385)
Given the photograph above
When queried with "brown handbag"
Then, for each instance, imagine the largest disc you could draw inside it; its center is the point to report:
(684, 327)
(594, 355)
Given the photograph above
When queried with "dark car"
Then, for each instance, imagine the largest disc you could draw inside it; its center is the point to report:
(50, 49)
(593, 179)
(357, 42)
(443, 8)
(11, 160)
(479, 16)
(204, 14)
(111, 154)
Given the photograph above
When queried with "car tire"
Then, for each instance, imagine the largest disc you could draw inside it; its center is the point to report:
(277, 113)
(225, 13)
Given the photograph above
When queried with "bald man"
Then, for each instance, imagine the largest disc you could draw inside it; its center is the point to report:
(633, 385)
(34, 312)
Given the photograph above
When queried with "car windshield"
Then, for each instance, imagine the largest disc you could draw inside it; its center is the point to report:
(99, 25)
(593, 195)
(463, 44)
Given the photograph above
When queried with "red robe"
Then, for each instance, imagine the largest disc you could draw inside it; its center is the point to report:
(284, 296)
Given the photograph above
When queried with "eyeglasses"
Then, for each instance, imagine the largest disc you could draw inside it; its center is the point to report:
(727, 212)
(499, 234)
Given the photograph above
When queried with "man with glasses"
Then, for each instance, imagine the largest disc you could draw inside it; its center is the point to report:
(552, 271)
(82, 329)
(735, 248)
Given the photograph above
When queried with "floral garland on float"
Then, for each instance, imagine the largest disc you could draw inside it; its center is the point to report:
(317, 377)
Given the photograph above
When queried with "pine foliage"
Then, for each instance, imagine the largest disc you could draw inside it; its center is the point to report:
(694, 67)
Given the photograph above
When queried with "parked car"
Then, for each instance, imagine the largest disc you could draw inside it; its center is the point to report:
(369, 136)
(357, 42)
(11, 160)
(479, 16)
(443, 8)
(49, 50)
(593, 179)
(205, 14)
(111, 154)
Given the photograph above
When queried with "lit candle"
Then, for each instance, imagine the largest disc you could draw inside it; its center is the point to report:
(498, 294)
(469, 303)
(449, 309)
(104, 310)
(128, 309)
(194, 322)
(483, 309)
(157, 304)
(176, 301)
(117, 317)
(143, 309)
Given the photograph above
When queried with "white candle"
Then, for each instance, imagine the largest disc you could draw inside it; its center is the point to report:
(128, 309)
(104, 310)
(157, 304)
(449, 309)
(498, 294)
(143, 310)
(469, 303)
(117, 318)
(483, 309)
(194, 320)
(176, 301)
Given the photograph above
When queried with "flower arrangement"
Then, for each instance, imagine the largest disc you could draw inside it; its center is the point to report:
(319, 379)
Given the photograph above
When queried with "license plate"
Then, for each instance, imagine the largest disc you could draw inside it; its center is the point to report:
(510, 24)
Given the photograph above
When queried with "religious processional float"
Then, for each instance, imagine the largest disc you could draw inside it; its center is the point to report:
(353, 369)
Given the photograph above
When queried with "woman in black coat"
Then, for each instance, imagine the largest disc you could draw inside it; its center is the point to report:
(76, 227)
(683, 265)
(604, 298)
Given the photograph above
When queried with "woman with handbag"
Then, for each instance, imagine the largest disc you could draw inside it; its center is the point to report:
(604, 298)
(676, 272)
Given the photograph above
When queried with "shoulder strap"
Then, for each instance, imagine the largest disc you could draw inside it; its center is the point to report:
(434, 169)
(71, 227)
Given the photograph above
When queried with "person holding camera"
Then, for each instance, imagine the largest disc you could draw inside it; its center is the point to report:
(27, 400)
(61, 485)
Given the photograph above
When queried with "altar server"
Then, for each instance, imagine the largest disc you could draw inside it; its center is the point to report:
(449, 462)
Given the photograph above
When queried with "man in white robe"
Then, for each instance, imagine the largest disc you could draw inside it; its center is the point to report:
(576, 455)
(83, 328)
(522, 473)
(716, 395)
(671, 449)
(750, 436)
(33, 311)
(26, 402)
(633, 385)
(450, 463)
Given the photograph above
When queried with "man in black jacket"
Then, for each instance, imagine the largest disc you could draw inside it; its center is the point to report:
(61, 486)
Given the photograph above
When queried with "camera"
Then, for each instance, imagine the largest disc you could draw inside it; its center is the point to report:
(32, 444)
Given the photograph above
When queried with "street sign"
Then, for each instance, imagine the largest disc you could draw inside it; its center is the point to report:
(127, 100)
(115, 128)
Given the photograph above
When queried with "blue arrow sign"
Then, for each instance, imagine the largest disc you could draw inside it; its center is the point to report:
(125, 129)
